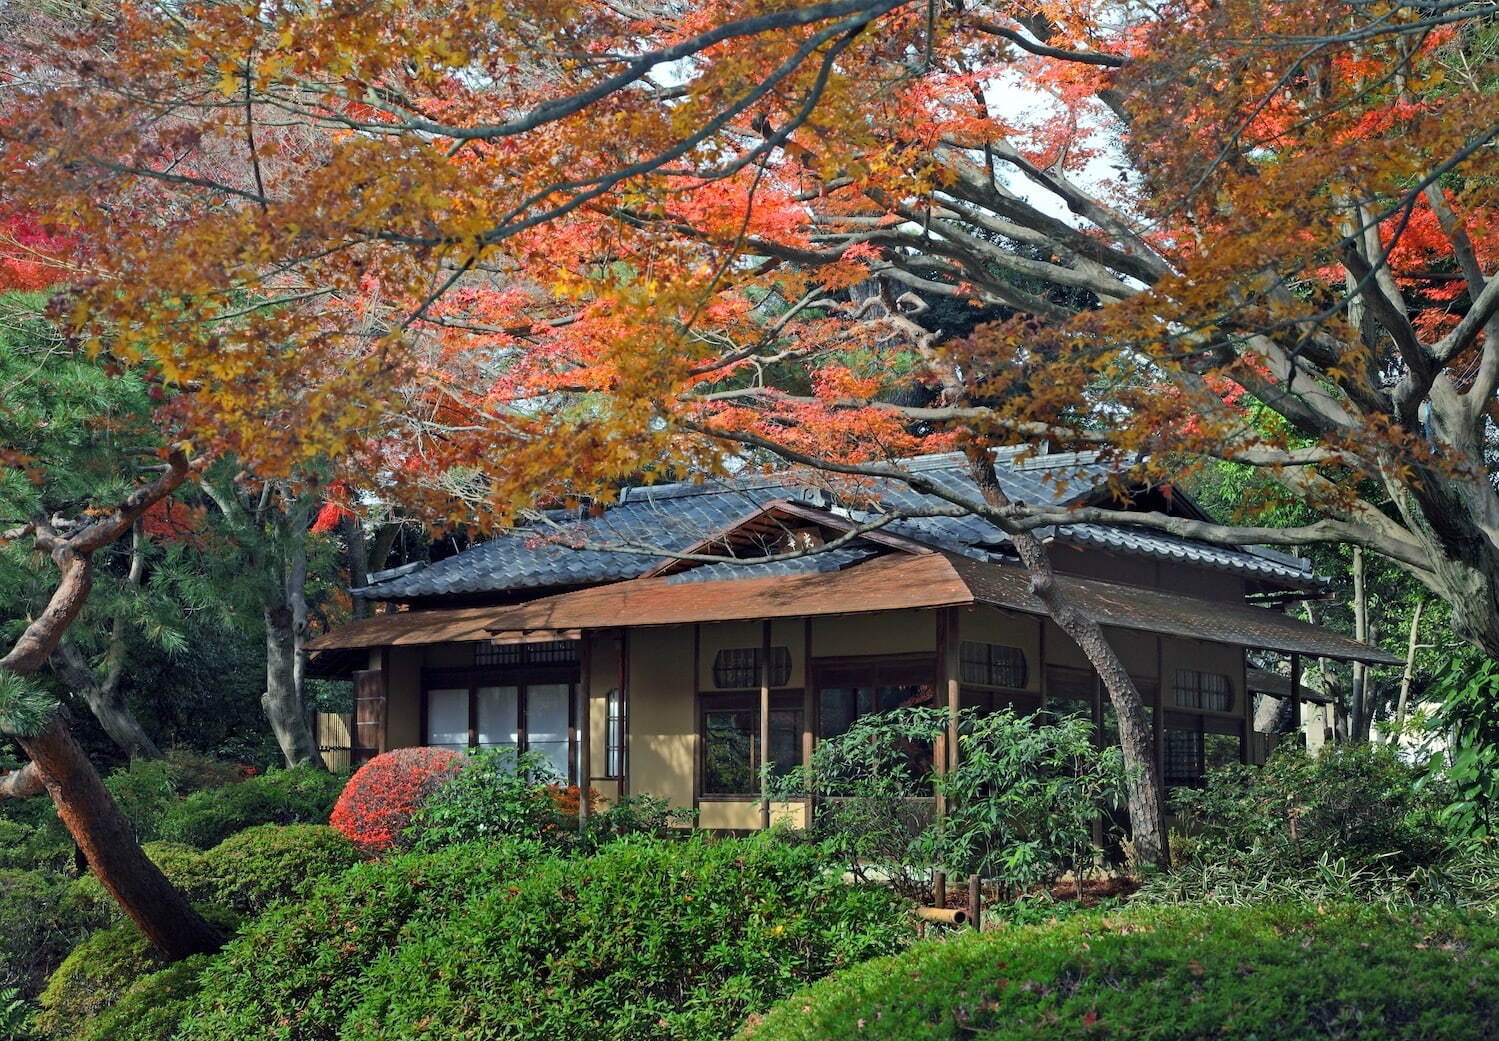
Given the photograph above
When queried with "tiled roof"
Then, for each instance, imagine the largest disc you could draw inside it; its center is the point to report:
(675, 517)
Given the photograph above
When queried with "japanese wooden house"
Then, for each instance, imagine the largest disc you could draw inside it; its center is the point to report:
(657, 674)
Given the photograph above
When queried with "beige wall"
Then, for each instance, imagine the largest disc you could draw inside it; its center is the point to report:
(662, 714)
(1011, 628)
(1136, 649)
(744, 814)
(890, 632)
(790, 633)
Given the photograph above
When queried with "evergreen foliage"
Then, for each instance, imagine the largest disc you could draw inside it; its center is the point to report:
(1171, 974)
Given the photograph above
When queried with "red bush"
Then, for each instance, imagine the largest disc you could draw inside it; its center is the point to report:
(565, 800)
(377, 804)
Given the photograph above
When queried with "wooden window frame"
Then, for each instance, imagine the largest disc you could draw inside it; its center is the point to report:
(1202, 724)
(989, 666)
(782, 699)
(471, 679)
(614, 727)
(1235, 707)
(780, 655)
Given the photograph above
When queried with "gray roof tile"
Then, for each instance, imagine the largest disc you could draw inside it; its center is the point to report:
(568, 549)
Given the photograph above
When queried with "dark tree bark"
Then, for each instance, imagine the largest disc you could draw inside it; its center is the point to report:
(93, 818)
(86, 808)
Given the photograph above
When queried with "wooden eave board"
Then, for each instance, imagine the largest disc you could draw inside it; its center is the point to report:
(1170, 614)
(887, 583)
(404, 628)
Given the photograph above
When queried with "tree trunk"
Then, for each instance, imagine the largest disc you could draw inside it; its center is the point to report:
(282, 700)
(96, 823)
(1358, 705)
(1147, 807)
(104, 701)
(1406, 675)
(86, 808)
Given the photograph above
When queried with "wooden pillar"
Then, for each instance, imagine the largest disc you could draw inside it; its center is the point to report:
(765, 725)
(1296, 696)
(585, 726)
(952, 681)
(624, 711)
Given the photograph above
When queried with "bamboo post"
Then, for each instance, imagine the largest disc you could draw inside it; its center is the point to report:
(947, 916)
(939, 888)
(975, 903)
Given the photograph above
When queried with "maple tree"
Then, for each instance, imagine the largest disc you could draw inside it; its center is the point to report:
(477, 253)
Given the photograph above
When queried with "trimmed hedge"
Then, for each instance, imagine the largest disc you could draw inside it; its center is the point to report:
(208, 817)
(385, 794)
(296, 971)
(649, 939)
(261, 866)
(92, 979)
(151, 1009)
(1172, 974)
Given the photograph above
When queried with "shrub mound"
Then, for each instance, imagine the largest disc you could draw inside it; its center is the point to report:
(244, 874)
(378, 803)
(150, 1009)
(1273, 971)
(296, 971)
(648, 939)
(183, 865)
(260, 866)
(92, 979)
(208, 817)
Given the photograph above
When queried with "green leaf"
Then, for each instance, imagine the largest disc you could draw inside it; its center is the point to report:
(25, 709)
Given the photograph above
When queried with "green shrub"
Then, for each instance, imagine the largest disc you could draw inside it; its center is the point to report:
(649, 939)
(152, 1008)
(208, 817)
(634, 815)
(37, 928)
(185, 866)
(193, 771)
(1171, 974)
(297, 970)
(1351, 822)
(32, 836)
(493, 794)
(259, 866)
(145, 791)
(1022, 801)
(92, 978)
